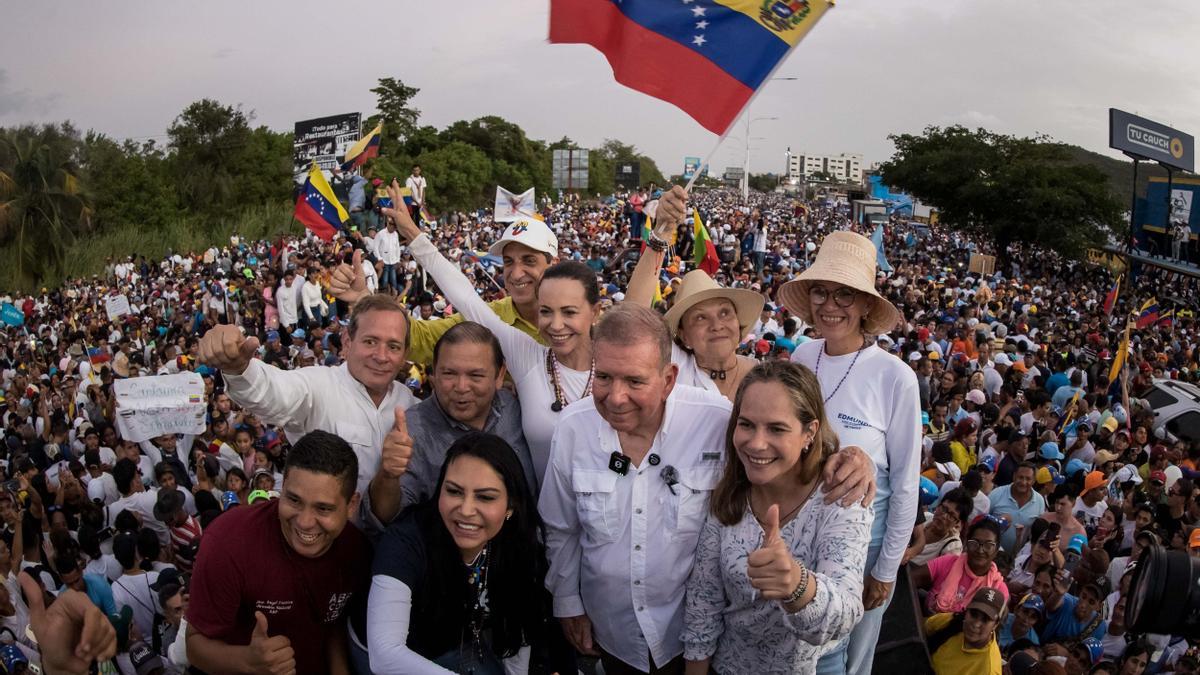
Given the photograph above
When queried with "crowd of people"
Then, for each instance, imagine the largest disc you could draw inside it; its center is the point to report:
(539, 445)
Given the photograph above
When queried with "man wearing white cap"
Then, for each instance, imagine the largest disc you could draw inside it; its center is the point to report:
(528, 247)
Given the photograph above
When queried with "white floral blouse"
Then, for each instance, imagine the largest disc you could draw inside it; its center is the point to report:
(726, 620)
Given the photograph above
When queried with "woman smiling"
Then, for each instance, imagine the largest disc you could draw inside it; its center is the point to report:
(470, 562)
(873, 401)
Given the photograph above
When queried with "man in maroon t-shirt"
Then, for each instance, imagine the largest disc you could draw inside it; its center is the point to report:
(273, 581)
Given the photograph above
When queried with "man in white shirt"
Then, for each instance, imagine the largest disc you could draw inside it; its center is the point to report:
(136, 498)
(360, 400)
(416, 185)
(626, 493)
(287, 298)
(387, 250)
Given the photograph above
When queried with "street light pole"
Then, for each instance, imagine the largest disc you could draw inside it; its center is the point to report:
(746, 163)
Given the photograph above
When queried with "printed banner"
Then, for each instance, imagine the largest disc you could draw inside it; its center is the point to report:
(117, 306)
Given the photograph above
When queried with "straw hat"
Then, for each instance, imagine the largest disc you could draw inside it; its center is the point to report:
(849, 259)
(697, 287)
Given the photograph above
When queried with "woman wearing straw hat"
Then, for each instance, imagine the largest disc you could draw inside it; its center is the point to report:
(706, 320)
(873, 401)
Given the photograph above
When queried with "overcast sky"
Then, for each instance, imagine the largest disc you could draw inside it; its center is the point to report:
(870, 68)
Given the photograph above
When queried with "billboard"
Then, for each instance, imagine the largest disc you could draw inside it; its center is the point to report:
(628, 175)
(324, 140)
(569, 169)
(1150, 215)
(1149, 140)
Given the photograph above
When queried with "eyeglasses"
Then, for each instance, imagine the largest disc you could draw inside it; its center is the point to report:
(976, 545)
(844, 296)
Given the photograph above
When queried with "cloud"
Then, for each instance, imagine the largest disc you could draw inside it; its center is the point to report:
(222, 53)
(23, 101)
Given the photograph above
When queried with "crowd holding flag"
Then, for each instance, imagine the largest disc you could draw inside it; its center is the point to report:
(318, 208)
(366, 148)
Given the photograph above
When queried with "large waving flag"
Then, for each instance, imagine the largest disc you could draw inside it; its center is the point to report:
(317, 208)
(1148, 314)
(1111, 298)
(707, 57)
(366, 148)
(704, 253)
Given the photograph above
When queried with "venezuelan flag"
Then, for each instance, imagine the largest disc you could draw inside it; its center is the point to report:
(1148, 314)
(707, 57)
(1111, 298)
(1167, 319)
(317, 208)
(366, 148)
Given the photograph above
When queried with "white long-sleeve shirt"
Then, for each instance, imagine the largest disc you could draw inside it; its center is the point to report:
(311, 296)
(326, 398)
(387, 247)
(524, 356)
(621, 546)
(389, 610)
(286, 298)
(877, 407)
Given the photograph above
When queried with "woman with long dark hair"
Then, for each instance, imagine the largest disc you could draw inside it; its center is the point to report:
(470, 563)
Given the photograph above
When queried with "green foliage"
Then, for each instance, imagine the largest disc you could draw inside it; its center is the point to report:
(764, 182)
(602, 164)
(462, 172)
(1006, 188)
(43, 205)
(399, 119)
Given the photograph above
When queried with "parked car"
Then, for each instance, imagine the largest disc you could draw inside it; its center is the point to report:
(1176, 408)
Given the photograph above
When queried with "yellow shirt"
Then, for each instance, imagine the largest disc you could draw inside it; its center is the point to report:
(954, 658)
(425, 334)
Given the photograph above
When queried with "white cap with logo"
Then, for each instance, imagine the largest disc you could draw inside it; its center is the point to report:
(530, 232)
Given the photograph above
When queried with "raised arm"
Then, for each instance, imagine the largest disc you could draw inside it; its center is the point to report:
(672, 208)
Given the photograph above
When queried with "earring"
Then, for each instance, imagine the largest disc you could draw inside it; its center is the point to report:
(509, 516)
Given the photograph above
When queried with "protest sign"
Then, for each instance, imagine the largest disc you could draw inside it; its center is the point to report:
(117, 306)
(162, 404)
(982, 264)
(510, 206)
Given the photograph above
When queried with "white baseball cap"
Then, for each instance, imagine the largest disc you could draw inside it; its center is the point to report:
(529, 232)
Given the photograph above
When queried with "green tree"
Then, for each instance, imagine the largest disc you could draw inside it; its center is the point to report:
(208, 142)
(130, 183)
(763, 182)
(460, 176)
(399, 118)
(1005, 188)
(43, 207)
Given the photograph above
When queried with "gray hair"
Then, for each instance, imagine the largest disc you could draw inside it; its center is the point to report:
(628, 324)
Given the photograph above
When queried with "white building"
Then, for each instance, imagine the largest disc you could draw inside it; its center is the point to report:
(843, 167)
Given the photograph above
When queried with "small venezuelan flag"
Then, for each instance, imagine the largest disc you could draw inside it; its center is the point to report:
(317, 208)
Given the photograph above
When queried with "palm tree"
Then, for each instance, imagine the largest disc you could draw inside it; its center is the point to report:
(42, 206)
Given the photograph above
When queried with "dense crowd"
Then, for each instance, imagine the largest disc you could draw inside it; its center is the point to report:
(749, 464)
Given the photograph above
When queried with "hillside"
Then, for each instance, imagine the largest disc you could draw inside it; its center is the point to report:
(1118, 171)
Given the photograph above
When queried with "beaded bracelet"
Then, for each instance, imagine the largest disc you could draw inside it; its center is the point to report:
(800, 590)
(659, 245)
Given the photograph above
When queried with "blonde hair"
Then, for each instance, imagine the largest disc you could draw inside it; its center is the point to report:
(732, 493)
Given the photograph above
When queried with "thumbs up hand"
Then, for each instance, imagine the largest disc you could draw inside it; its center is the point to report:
(227, 349)
(397, 447)
(348, 283)
(269, 654)
(772, 570)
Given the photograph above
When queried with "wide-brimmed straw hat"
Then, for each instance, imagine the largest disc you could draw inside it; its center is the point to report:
(697, 287)
(849, 259)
